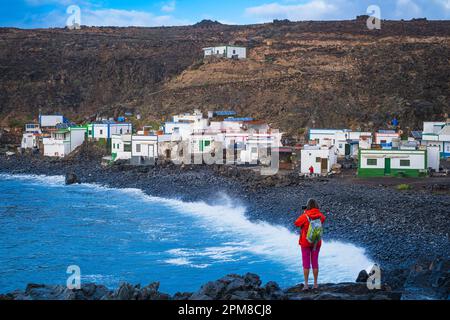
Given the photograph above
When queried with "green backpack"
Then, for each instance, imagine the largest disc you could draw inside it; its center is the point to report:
(315, 231)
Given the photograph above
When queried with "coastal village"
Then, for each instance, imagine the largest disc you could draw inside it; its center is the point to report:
(224, 137)
(227, 138)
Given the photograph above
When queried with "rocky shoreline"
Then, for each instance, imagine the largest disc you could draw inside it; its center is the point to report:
(397, 229)
(422, 282)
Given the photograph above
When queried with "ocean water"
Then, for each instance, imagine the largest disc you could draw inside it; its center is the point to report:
(117, 235)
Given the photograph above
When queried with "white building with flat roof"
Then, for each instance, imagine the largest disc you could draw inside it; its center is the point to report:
(62, 142)
(226, 51)
(321, 159)
(144, 149)
(121, 147)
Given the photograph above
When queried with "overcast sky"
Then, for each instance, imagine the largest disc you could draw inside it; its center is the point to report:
(52, 13)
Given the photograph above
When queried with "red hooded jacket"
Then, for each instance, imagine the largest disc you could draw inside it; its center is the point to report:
(303, 223)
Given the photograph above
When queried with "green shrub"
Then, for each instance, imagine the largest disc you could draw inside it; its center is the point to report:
(404, 187)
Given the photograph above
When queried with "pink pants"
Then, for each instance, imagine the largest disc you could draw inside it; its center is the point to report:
(310, 257)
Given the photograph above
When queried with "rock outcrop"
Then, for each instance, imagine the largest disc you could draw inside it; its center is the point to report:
(432, 283)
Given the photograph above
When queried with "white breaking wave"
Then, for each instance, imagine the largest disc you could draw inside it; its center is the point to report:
(339, 262)
(34, 178)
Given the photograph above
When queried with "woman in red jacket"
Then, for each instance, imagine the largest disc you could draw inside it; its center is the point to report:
(310, 253)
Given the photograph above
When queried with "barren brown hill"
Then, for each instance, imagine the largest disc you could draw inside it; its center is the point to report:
(298, 75)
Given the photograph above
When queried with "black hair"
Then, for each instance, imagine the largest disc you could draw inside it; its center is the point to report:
(312, 204)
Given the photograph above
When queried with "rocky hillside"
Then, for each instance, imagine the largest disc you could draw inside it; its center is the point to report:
(298, 75)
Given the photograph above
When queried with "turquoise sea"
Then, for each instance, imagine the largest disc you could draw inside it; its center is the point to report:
(117, 235)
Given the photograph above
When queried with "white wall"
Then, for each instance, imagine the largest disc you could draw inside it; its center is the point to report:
(29, 141)
(56, 148)
(417, 159)
(388, 137)
(77, 137)
(241, 52)
(432, 127)
(433, 158)
(148, 146)
(308, 159)
(50, 120)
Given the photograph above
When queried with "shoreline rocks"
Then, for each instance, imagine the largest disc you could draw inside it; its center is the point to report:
(230, 287)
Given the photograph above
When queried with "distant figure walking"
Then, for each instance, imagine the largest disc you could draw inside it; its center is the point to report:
(311, 170)
(310, 240)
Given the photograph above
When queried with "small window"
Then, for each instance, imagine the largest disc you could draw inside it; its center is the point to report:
(405, 163)
(318, 159)
(254, 150)
(340, 146)
(138, 148)
(101, 131)
(234, 51)
(90, 132)
(207, 143)
(127, 148)
(371, 162)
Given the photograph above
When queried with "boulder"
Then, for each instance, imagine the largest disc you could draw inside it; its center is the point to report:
(428, 281)
(362, 276)
(71, 178)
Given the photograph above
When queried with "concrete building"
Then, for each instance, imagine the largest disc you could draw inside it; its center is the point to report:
(396, 162)
(29, 141)
(50, 121)
(387, 138)
(144, 149)
(62, 142)
(106, 128)
(437, 134)
(121, 147)
(226, 51)
(321, 158)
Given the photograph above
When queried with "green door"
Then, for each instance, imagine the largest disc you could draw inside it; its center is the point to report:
(387, 166)
(347, 149)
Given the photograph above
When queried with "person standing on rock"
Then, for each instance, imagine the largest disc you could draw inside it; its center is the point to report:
(310, 223)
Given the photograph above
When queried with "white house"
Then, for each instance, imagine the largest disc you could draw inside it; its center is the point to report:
(397, 162)
(63, 142)
(201, 143)
(319, 135)
(226, 51)
(437, 134)
(144, 149)
(258, 148)
(50, 121)
(29, 141)
(320, 158)
(33, 128)
(433, 158)
(188, 117)
(387, 138)
(347, 142)
(105, 129)
(121, 147)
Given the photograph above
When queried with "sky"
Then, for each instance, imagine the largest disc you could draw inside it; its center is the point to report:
(150, 13)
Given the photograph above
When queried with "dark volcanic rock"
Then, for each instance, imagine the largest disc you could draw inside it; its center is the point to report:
(362, 276)
(71, 178)
(428, 281)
